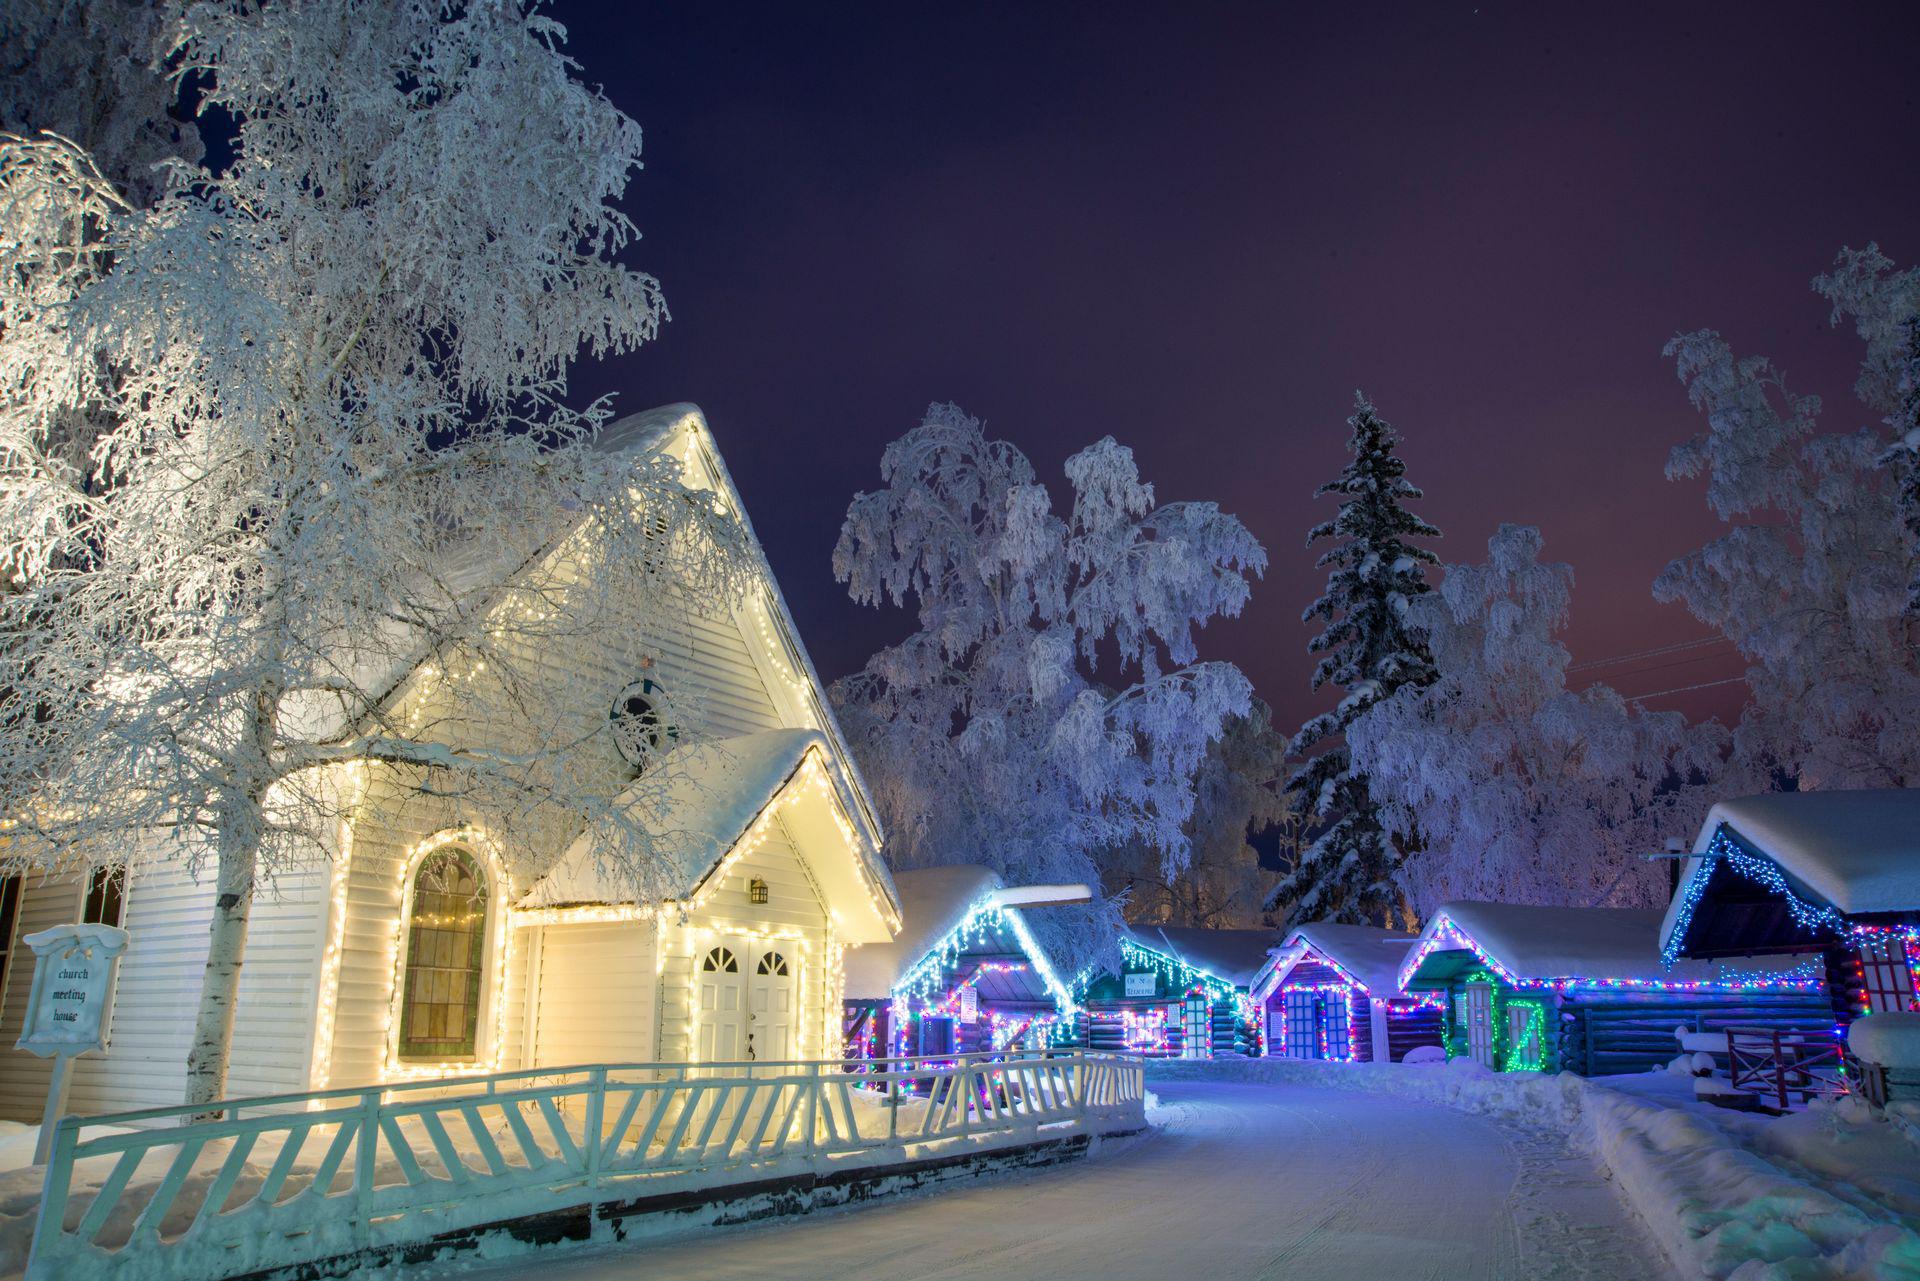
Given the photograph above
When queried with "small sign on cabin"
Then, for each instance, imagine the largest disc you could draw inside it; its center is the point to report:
(72, 998)
(969, 1004)
(1141, 984)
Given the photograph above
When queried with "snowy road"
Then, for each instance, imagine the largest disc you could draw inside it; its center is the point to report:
(1241, 1181)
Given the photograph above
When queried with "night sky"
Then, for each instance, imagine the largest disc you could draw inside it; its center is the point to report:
(1200, 231)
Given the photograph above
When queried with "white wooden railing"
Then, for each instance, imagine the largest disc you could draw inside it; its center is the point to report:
(299, 1178)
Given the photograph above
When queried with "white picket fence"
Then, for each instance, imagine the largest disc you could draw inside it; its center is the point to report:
(299, 1178)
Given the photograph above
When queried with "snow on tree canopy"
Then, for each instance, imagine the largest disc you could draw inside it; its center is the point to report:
(1051, 702)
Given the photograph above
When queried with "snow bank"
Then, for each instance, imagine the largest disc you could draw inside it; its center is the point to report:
(1713, 1199)
(1888, 1038)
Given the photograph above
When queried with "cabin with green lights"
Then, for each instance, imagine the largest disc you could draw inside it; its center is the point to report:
(965, 974)
(1584, 989)
(1332, 992)
(1179, 993)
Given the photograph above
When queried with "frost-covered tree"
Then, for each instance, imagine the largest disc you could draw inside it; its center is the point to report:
(1237, 795)
(1902, 458)
(89, 70)
(988, 735)
(1811, 581)
(328, 381)
(1370, 651)
(1522, 790)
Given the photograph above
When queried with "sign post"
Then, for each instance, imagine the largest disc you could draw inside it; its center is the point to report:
(69, 1007)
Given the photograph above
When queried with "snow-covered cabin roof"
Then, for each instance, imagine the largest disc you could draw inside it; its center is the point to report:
(1233, 955)
(936, 901)
(933, 902)
(1370, 955)
(1857, 852)
(1533, 944)
(700, 799)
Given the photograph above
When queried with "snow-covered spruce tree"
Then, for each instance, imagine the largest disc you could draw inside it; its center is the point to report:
(329, 380)
(1370, 651)
(1812, 580)
(987, 735)
(1522, 790)
(1236, 795)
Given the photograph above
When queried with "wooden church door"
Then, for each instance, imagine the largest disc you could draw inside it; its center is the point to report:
(723, 1017)
(770, 1007)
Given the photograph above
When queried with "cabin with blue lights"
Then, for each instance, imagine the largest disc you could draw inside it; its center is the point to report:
(964, 975)
(1584, 989)
(1332, 992)
(1180, 992)
(1835, 874)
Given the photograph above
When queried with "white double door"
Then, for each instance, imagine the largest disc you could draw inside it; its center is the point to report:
(747, 1005)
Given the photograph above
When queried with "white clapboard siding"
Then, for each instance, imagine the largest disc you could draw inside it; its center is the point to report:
(167, 916)
(596, 993)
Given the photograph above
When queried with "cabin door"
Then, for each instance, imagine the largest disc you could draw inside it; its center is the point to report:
(1476, 1008)
(720, 998)
(1196, 1028)
(771, 1007)
(1303, 1027)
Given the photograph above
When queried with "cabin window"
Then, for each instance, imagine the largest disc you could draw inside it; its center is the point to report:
(936, 1037)
(106, 900)
(446, 958)
(639, 722)
(1302, 1039)
(1887, 974)
(1337, 1010)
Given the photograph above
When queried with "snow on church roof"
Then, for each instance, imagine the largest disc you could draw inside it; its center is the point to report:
(1233, 955)
(1857, 850)
(696, 801)
(933, 902)
(1369, 954)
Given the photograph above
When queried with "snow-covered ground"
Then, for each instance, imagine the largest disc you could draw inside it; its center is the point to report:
(1239, 1179)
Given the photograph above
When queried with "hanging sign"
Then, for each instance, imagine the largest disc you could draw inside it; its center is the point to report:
(69, 1008)
(72, 998)
(969, 1004)
(1141, 984)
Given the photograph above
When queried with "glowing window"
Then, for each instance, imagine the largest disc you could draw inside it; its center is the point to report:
(446, 958)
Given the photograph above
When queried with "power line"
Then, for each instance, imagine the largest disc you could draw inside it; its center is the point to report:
(1656, 652)
(1617, 677)
(1682, 689)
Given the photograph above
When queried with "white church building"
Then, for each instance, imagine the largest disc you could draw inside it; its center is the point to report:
(425, 945)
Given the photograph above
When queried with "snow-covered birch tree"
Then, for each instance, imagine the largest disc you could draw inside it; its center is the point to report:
(1370, 651)
(328, 379)
(1813, 578)
(1523, 790)
(1052, 701)
(1237, 794)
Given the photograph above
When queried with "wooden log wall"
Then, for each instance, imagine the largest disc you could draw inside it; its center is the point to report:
(1410, 1026)
(1606, 1032)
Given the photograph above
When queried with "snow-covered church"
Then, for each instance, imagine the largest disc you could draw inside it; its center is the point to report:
(425, 946)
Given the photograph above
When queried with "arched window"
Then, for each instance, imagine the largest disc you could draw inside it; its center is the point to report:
(772, 963)
(446, 958)
(720, 960)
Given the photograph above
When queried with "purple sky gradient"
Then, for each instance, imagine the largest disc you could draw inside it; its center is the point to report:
(1199, 233)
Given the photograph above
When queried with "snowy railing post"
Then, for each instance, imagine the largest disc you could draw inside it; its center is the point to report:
(365, 1149)
(53, 1197)
(590, 1129)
